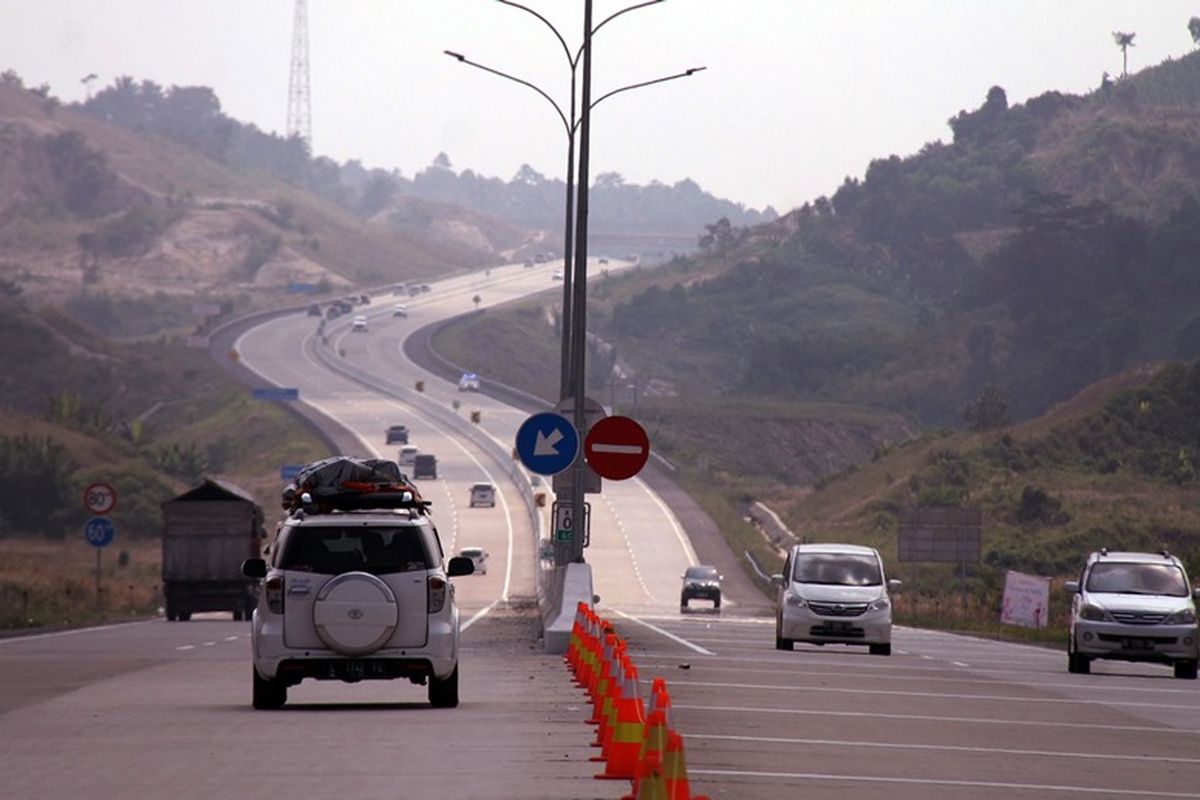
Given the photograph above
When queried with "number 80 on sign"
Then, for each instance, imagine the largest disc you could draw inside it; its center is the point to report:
(99, 498)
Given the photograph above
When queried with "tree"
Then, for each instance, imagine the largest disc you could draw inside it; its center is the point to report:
(442, 161)
(1124, 41)
(476, 300)
(988, 410)
(1194, 29)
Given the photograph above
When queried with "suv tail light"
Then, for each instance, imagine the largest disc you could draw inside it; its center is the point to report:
(437, 594)
(274, 592)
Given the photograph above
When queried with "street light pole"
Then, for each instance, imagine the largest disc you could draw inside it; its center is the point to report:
(578, 346)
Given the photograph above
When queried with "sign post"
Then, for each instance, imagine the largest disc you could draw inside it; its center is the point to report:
(99, 532)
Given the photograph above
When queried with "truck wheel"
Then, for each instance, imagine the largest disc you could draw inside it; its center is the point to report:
(444, 693)
(185, 615)
(267, 694)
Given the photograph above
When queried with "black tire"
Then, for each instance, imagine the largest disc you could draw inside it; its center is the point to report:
(184, 616)
(1078, 665)
(683, 601)
(444, 693)
(1186, 669)
(237, 615)
(717, 603)
(267, 695)
(881, 649)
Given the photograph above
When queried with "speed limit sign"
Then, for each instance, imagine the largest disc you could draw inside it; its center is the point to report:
(99, 498)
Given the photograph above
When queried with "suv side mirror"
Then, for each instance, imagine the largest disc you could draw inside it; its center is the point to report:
(460, 565)
(894, 585)
(1196, 593)
(777, 579)
(254, 568)
(1072, 587)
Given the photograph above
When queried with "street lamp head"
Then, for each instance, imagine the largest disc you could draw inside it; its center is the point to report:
(694, 70)
(453, 54)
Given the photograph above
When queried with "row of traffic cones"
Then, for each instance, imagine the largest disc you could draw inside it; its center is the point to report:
(634, 745)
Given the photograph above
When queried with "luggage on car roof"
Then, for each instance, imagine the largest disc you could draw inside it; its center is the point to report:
(345, 483)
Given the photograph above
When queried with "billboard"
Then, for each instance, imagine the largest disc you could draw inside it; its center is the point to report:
(949, 535)
(1026, 600)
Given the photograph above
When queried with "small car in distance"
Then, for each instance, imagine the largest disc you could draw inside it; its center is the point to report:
(701, 582)
(397, 433)
(469, 382)
(478, 558)
(400, 310)
(1133, 607)
(408, 455)
(483, 494)
(425, 466)
(834, 594)
(360, 324)
(556, 275)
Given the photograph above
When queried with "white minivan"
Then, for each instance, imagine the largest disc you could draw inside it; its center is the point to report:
(408, 455)
(483, 494)
(834, 594)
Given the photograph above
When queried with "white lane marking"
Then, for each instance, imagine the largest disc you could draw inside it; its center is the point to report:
(1033, 787)
(938, 695)
(665, 633)
(186, 647)
(946, 747)
(73, 632)
(959, 664)
(232, 638)
(637, 570)
(937, 718)
(478, 615)
(209, 644)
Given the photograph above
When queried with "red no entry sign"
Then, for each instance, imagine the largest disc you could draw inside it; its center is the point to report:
(616, 448)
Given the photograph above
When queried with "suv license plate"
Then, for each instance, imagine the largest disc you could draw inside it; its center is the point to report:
(837, 627)
(1137, 644)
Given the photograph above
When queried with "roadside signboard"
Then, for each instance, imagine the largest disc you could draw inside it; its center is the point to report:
(99, 498)
(276, 393)
(566, 525)
(99, 531)
(1026, 600)
(547, 443)
(947, 535)
(617, 448)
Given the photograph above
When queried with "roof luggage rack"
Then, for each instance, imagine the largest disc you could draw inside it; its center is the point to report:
(342, 483)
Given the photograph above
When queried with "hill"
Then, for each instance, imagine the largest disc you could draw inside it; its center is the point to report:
(89, 205)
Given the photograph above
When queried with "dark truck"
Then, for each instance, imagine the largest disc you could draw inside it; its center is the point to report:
(207, 533)
(425, 466)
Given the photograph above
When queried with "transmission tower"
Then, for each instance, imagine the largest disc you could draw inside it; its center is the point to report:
(299, 117)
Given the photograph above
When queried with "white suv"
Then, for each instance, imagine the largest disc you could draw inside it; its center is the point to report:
(354, 595)
(1133, 607)
(834, 593)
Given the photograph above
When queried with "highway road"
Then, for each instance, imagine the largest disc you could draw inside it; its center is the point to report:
(158, 709)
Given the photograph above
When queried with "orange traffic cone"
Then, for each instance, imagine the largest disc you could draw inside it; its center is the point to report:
(651, 785)
(623, 740)
(654, 744)
(675, 770)
(575, 647)
(608, 708)
(600, 686)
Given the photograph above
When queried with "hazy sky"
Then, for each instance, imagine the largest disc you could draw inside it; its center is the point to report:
(797, 95)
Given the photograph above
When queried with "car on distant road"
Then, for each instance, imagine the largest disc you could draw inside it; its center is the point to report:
(1133, 607)
(701, 582)
(360, 324)
(351, 596)
(314, 310)
(397, 433)
(400, 310)
(408, 455)
(483, 494)
(365, 299)
(425, 287)
(834, 594)
(478, 558)
(469, 382)
(556, 275)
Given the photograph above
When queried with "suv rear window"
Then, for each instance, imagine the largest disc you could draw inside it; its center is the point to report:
(701, 573)
(1130, 578)
(332, 550)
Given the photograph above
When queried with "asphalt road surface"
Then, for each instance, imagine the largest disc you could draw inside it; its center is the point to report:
(159, 709)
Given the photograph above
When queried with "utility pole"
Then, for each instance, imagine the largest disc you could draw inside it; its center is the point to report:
(299, 114)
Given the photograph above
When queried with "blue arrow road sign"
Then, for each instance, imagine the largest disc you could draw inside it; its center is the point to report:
(547, 443)
(99, 531)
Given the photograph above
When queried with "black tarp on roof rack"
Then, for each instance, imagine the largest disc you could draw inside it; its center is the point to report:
(346, 484)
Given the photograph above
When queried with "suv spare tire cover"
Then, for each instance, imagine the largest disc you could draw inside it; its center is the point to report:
(355, 613)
